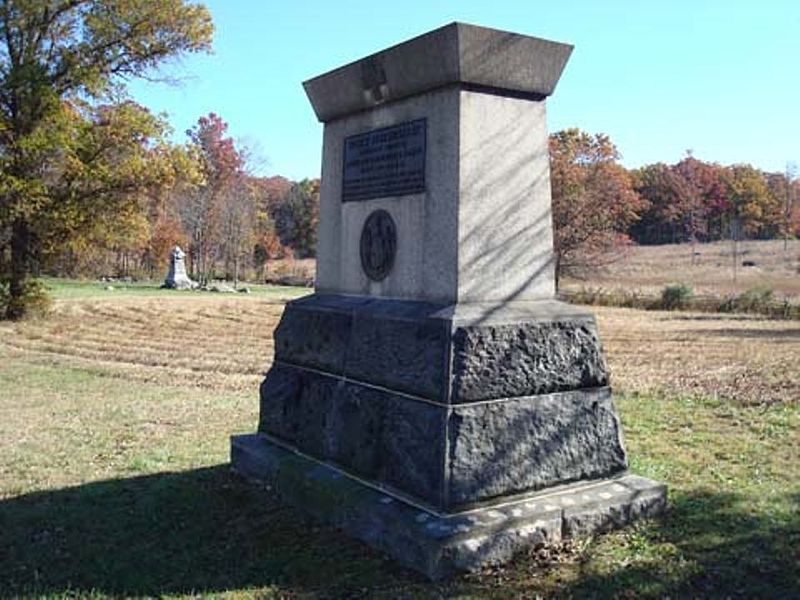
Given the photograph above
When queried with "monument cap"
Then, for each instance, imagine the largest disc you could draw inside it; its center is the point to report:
(478, 57)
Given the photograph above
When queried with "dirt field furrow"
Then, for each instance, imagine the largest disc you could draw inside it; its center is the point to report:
(741, 359)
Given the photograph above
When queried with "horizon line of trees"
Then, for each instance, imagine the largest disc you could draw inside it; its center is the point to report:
(229, 221)
(91, 185)
(202, 196)
(693, 200)
(599, 206)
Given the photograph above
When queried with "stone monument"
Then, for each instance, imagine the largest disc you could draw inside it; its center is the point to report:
(432, 398)
(177, 279)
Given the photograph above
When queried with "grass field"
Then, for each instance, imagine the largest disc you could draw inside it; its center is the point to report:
(706, 268)
(114, 422)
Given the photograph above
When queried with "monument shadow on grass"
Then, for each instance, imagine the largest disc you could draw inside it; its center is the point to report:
(207, 531)
(203, 530)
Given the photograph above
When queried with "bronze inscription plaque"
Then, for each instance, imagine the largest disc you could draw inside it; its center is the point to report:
(385, 162)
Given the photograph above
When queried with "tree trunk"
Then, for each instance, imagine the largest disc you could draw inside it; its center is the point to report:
(735, 240)
(557, 271)
(20, 252)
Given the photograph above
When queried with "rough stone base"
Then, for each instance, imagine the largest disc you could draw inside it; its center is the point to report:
(453, 405)
(438, 544)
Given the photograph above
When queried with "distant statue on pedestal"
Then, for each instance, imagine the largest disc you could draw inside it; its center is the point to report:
(177, 279)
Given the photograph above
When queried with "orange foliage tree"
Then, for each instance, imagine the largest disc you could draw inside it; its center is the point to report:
(594, 201)
(202, 208)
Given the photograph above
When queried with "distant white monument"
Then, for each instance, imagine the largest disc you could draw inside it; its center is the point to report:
(177, 279)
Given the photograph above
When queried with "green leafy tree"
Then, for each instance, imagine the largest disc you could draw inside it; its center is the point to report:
(59, 59)
(96, 200)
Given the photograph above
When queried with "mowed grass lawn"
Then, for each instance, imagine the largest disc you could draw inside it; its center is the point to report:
(115, 415)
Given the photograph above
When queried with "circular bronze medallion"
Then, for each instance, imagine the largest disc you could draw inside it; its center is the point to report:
(378, 245)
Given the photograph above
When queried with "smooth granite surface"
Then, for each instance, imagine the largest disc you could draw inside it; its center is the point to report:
(457, 53)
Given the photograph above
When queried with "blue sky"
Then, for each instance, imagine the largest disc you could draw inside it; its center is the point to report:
(721, 78)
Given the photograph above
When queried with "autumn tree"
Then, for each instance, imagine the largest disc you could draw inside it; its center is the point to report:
(687, 201)
(297, 217)
(782, 187)
(165, 227)
(165, 232)
(792, 204)
(709, 204)
(753, 206)
(202, 208)
(57, 59)
(237, 227)
(692, 206)
(666, 192)
(270, 193)
(594, 201)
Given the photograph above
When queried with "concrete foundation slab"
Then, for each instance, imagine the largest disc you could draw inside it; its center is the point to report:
(442, 544)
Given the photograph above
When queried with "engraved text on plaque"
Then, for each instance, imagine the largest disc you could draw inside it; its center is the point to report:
(385, 162)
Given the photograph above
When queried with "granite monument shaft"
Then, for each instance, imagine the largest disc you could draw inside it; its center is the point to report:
(432, 397)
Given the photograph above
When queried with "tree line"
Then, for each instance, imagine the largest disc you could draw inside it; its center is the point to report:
(76, 154)
(599, 206)
(90, 183)
(229, 221)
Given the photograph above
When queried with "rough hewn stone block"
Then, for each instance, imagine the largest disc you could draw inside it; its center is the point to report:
(390, 439)
(355, 432)
(408, 346)
(279, 393)
(524, 444)
(313, 336)
(403, 354)
(525, 359)
(413, 448)
(501, 447)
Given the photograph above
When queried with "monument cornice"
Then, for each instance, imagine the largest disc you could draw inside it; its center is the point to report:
(479, 58)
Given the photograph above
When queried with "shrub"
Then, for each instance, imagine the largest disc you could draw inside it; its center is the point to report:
(588, 296)
(756, 299)
(676, 296)
(36, 300)
(727, 305)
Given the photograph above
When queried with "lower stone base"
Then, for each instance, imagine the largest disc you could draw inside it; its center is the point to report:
(442, 544)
